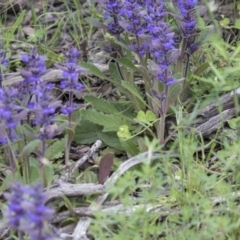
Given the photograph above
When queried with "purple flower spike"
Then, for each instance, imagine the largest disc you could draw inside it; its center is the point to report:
(27, 213)
(160, 39)
(44, 107)
(34, 60)
(10, 114)
(72, 55)
(188, 23)
(3, 62)
(111, 15)
(71, 71)
(35, 68)
(70, 84)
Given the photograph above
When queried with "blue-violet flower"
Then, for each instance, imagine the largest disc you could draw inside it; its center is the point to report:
(26, 211)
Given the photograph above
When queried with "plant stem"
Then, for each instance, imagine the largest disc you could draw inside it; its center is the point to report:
(164, 108)
(185, 84)
(42, 166)
(147, 80)
(69, 136)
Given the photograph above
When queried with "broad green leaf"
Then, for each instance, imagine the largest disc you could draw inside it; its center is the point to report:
(93, 69)
(49, 171)
(110, 139)
(30, 147)
(76, 117)
(214, 37)
(86, 132)
(224, 22)
(101, 105)
(125, 107)
(127, 63)
(135, 91)
(130, 146)
(114, 73)
(200, 23)
(94, 22)
(111, 123)
(34, 170)
(237, 24)
(234, 123)
(115, 78)
(122, 44)
(56, 149)
(174, 92)
(9, 179)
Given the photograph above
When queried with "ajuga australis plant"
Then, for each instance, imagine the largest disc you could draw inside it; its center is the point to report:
(70, 84)
(27, 213)
(160, 38)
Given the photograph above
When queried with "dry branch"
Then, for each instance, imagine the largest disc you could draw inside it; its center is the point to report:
(73, 190)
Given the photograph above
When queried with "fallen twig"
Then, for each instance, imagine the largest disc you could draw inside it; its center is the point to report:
(71, 190)
(84, 158)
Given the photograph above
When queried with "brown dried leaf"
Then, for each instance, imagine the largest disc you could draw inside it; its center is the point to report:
(105, 167)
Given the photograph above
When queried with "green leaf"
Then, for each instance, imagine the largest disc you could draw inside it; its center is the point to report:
(200, 69)
(101, 105)
(86, 132)
(110, 139)
(135, 91)
(224, 22)
(122, 44)
(214, 37)
(147, 117)
(30, 147)
(88, 177)
(9, 179)
(93, 69)
(110, 123)
(115, 78)
(76, 117)
(237, 24)
(94, 22)
(114, 73)
(174, 92)
(130, 146)
(34, 170)
(68, 204)
(200, 23)
(150, 116)
(234, 123)
(127, 63)
(56, 149)
(49, 171)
